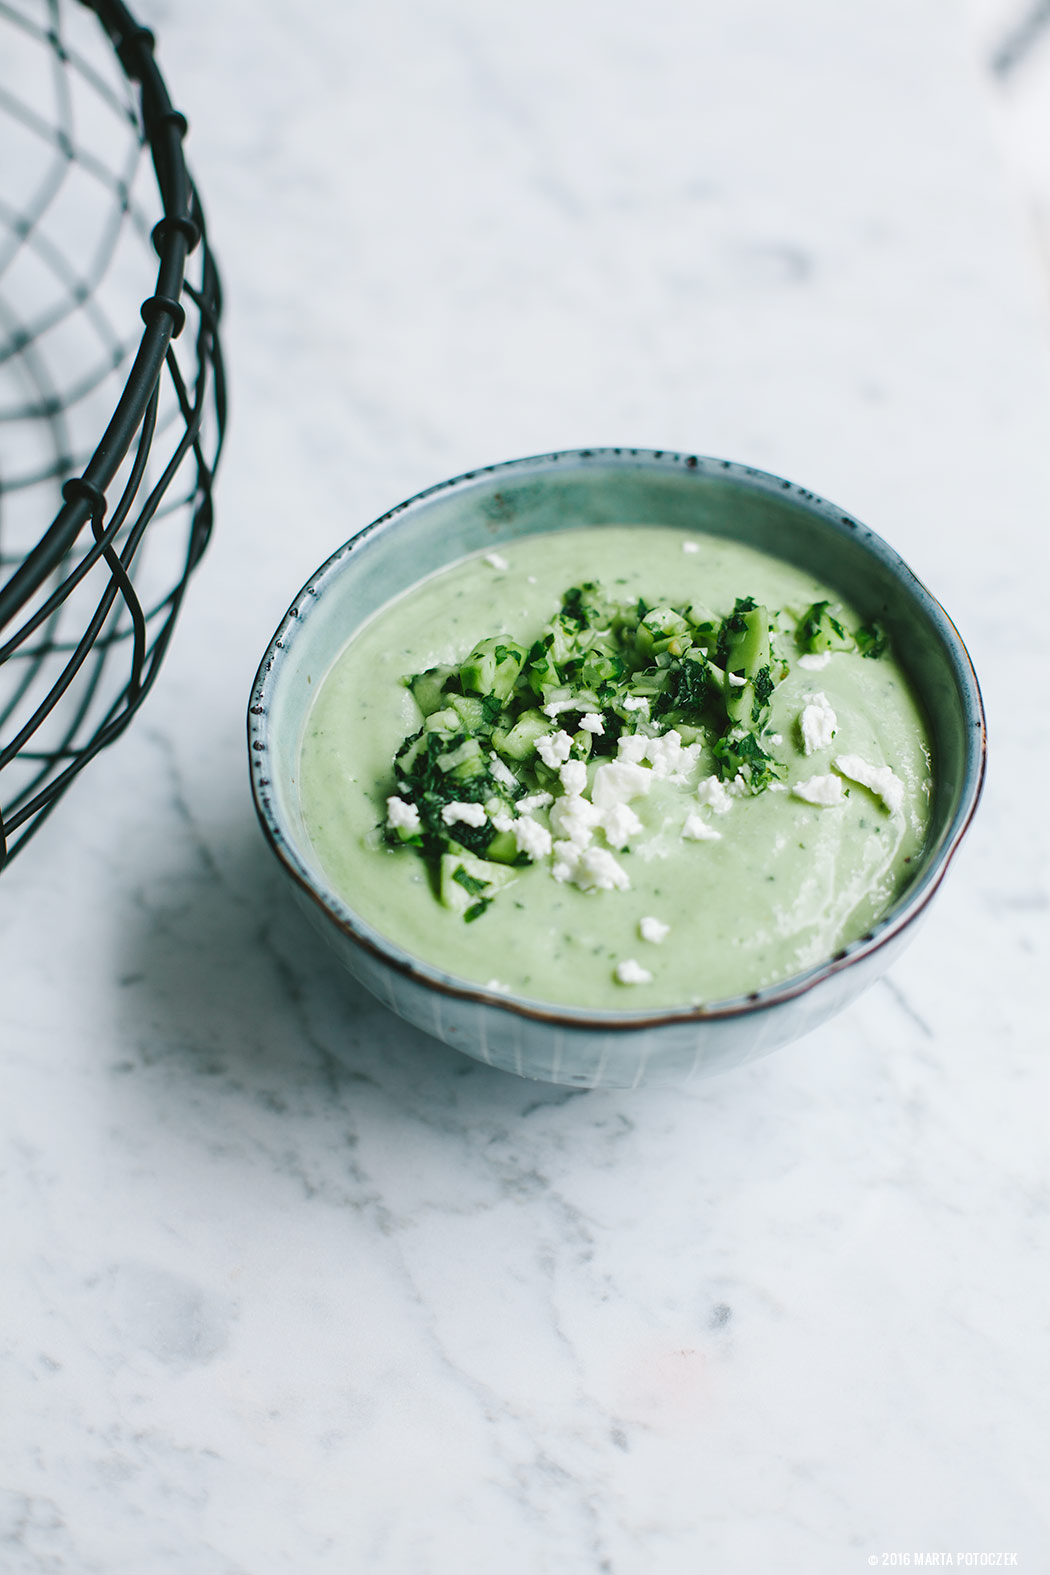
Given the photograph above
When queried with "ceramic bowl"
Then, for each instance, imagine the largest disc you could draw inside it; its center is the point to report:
(577, 1046)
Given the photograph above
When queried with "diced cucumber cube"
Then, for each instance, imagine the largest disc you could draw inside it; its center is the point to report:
(492, 668)
(470, 710)
(819, 630)
(444, 721)
(467, 880)
(426, 688)
(744, 644)
(520, 742)
(503, 848)
(663, 629)
(465, 761)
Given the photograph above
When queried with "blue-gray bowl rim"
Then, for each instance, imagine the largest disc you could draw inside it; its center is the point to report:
(903, 913)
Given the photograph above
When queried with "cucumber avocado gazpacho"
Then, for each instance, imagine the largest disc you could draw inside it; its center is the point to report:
(619, 768)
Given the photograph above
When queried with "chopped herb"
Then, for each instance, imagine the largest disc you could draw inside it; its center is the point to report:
(743, 756)
(762, 683)
(470, 883)
(686, 690)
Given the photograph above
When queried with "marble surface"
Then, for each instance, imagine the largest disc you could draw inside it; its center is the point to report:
(1013, 37)
(289, 1287)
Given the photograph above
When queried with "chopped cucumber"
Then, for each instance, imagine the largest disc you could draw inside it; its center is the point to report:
(503, 848)
(520, 741)
(426, 688)
(600, 667)
(444, 721)
(747, 656)
(470, 710)
(465, 761)
(663, 629)
(493, 667)
(819, 630)
(466, 879)
(872, 639)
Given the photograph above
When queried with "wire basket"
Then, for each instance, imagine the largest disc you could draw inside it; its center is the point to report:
(98, 537)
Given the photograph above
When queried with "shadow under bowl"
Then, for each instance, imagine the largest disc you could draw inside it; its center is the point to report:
(581, 1047)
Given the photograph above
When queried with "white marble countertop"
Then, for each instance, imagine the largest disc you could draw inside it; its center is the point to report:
(289, 1287)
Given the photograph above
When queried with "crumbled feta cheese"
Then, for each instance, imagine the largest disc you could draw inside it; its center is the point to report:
(817, 724)
(736, 681)
(880, 779)
(823, 791)
(566, 860)
(574, 819)
(592, 869)
(591, 722)
(654, 930)
(597, 870)
(714, 793)
(554, 748)
(618, 781)
(696, 829)
(573, 776)
(669, 757)
(632, 972)
(637, 703)
(496, 560)
(534, 801)
(555, 708)
(501, 773)
(620, 824)
(776, 738)
(501, 820)
(631, 747)
(401, 815)
(813, 661)
(532, 838)
(469, 814)
(663, 753)
(690, 546)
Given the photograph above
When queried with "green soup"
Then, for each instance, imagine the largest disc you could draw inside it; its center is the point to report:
(718, 890)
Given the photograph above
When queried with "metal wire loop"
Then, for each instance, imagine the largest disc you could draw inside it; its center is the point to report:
(109, 435)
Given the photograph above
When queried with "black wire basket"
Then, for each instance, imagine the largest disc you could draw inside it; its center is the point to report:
(98, 534)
